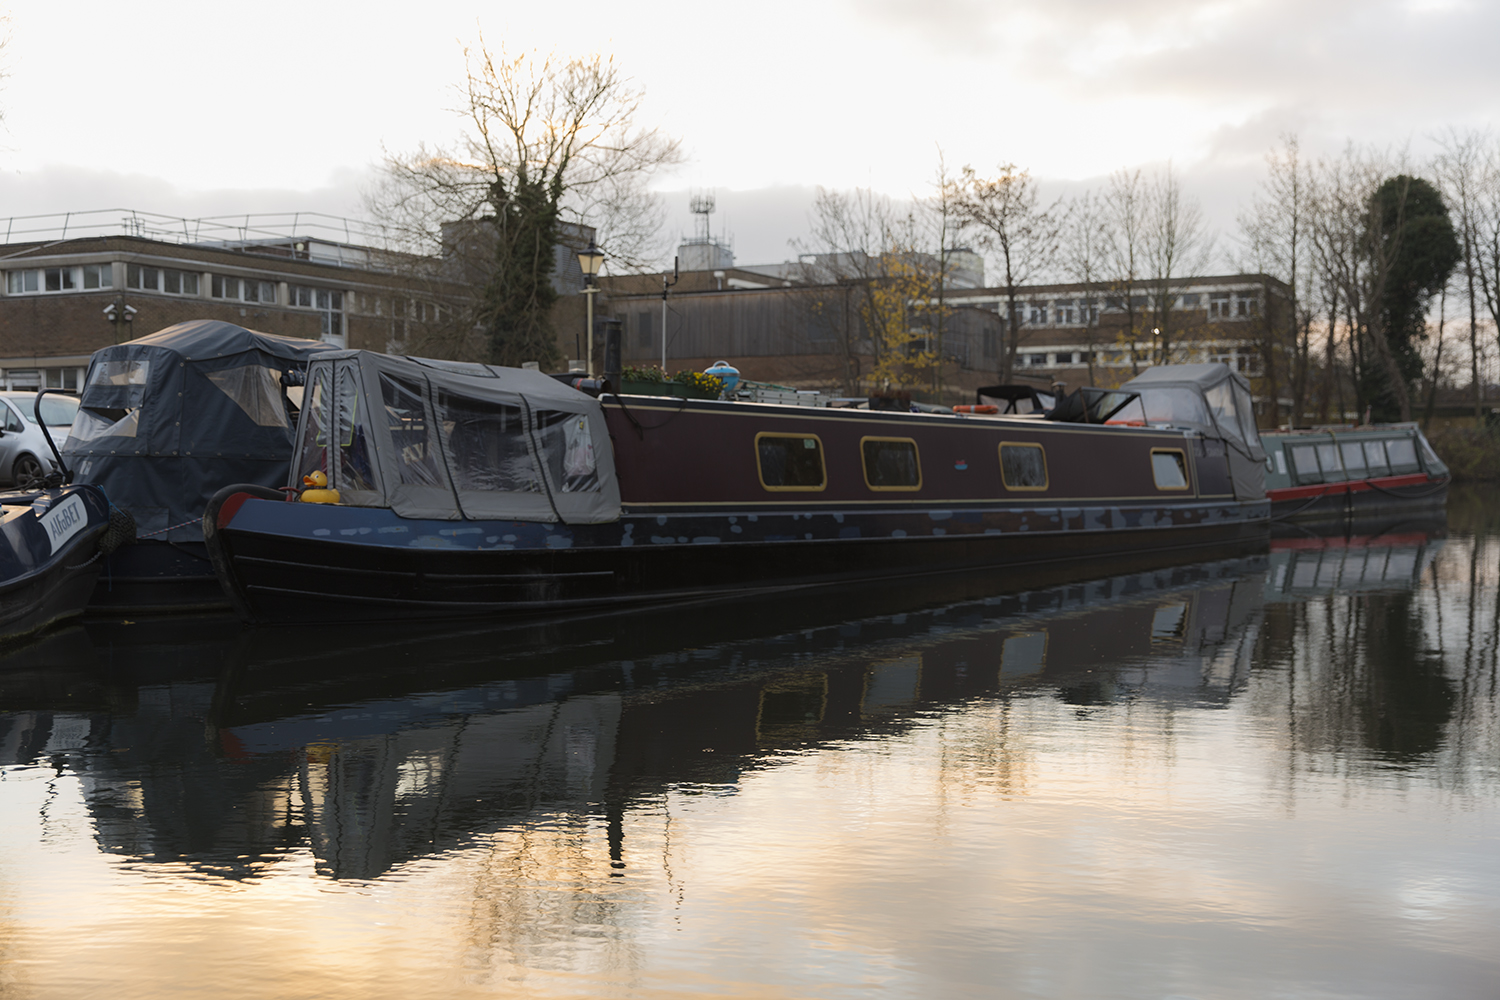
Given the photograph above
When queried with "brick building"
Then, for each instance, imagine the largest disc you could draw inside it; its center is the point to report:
(811, 335)
(62, 299)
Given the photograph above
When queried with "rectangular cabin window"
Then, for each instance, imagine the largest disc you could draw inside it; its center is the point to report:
(1328, 458)
(1375, 458)
(1305, 464)
(1169, 468)
(1354, 459)
(790, 461)
(407, 419)
(891, 463)
(568, 450)
(1023, 466)
(1403, 455)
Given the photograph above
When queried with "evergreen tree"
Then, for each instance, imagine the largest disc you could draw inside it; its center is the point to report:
(1417, 240)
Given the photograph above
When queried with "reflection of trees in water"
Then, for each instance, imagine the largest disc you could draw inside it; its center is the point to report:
(1402, 667)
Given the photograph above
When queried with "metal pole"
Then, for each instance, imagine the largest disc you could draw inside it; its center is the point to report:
(665, 284)
(589, 364)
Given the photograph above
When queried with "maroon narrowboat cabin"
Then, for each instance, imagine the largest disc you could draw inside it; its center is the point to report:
(472, 490)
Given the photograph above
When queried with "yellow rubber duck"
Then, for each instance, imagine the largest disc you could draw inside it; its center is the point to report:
(315, 489)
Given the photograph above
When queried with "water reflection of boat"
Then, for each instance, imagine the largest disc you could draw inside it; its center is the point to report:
(406, 742)
(471, 490)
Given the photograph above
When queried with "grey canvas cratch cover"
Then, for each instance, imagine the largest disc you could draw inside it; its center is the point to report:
(167, 420)
(452, 440)
(1213, 399)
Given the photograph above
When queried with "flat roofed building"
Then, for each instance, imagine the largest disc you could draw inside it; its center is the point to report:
(63, 298)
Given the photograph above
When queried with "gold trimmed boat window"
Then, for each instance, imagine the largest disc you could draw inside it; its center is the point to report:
(1023, 466)
(790, 461)
(1169, 468)
(891, 463)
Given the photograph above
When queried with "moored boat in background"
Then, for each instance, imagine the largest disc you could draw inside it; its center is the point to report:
(1347, 471)
(164, 421)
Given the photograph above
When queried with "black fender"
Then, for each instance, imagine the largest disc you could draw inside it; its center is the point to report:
(219, 512)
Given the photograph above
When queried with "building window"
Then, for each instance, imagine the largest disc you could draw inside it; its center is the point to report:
(161, 279)
(1062, 311)
(1218, 305)
(243, 289)
(59, 279)
(328, 302)
(1246, 305)
(1038, 314)
(63, 378)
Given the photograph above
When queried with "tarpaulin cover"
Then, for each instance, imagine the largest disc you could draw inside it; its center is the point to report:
(1215, 400)
(169, 419)
(441, 439)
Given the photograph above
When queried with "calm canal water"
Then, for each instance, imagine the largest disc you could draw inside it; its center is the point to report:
(1275, 774)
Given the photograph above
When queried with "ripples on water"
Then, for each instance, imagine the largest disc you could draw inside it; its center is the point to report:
(1273, 774)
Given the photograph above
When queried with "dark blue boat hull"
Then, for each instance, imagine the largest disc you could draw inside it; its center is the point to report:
(291, 562)
(49, 546)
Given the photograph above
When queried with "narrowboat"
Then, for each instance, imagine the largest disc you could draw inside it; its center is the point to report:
(164, 422)
(474, 490)
(1343, 472)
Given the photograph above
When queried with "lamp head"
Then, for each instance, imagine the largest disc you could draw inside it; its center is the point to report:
(590, 260)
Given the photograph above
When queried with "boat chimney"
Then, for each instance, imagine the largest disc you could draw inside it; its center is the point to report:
(612, 354)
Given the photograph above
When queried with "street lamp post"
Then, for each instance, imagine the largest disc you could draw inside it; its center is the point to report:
(589, 261)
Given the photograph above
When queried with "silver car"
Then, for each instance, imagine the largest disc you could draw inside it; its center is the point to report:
(24, 456)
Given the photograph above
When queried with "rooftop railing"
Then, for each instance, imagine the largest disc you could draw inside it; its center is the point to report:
(344, 241)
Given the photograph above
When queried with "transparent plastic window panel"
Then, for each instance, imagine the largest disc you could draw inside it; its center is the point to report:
(255, 389)
(116, 390)
(487, 445)
(1226, 414)
(312, 450)
(1182, 407)
(568, 450)
(355, 471)
(1375, 458)
(406, 417)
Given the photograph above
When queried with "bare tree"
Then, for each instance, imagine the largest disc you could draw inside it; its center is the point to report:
(1274, 238)
(946, 224)
(1177, 245)
(882, 287)
(1461, 174)
(1084, 259)
(549, 145)
(1007, 212)
(1126, 206)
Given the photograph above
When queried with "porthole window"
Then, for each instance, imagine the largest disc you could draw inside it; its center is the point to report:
(1169, 468)
(891, 463)
(790, 461)
(1023, 466)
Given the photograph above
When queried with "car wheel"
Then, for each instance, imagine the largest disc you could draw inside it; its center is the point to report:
(27, 472)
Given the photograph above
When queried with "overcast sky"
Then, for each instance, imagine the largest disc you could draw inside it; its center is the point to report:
(203, 109)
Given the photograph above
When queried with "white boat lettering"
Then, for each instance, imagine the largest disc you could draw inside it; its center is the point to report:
(64, 521)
